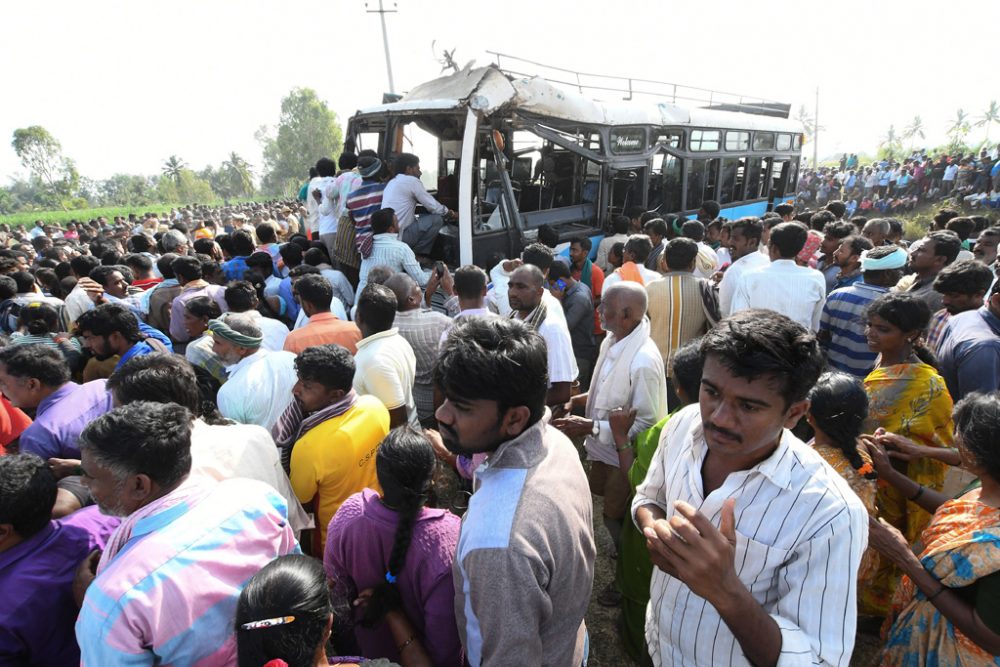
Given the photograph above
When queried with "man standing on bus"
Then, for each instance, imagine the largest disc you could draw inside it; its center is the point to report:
(402, 194)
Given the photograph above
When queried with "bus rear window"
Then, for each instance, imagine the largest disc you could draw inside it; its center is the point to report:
(737, 141)
(705, 140)
(784, 142)
(763, 141)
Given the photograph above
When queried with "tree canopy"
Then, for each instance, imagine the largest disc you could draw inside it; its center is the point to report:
(307, 130)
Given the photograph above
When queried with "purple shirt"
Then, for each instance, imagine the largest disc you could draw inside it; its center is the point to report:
(359, 541)
(188, 292)
(62, 415)
(36, 577)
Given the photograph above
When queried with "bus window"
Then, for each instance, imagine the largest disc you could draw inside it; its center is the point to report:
(798, 142)
(779, 177)
(701, 185)
(665, 184)
(738, 142)
(753, 178)
(705, 140)
(368, 141)
(670, 139)
(784, 142)
(763, 141)
(793, 176)
(765, 177)
(427, 147)
(733, 175)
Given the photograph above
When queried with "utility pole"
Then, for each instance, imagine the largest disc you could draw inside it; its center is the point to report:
(385, 39)
(815, 129)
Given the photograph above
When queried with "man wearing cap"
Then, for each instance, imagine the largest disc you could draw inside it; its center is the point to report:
(842, 324)
(402, 194)
(260, 382)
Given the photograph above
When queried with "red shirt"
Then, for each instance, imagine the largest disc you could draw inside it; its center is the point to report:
(596, 287)
(12, 423)
(146, 283)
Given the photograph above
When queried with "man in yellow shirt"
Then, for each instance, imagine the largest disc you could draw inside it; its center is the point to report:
(333, 434)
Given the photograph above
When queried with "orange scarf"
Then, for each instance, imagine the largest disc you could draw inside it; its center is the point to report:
(630, 271)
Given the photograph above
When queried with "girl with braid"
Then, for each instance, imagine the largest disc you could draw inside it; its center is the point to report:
(391, 553)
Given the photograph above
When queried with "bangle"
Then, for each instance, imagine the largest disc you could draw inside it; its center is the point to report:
(627, 445)
(915, 496)
(401, 647)
(936, 593)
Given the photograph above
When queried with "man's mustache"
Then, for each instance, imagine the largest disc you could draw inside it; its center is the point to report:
(709, 426)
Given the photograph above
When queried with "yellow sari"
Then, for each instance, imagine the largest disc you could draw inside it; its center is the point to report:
(911, 400)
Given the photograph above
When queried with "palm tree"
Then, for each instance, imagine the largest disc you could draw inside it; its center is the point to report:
(914, 129)
(172, 168)
(891, 142)
(240, 174)
(959, 127)
(990, 116)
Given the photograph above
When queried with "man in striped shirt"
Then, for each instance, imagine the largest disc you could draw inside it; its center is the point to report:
(364, 200)
(756, 540)
(842, 323)
(169, 578)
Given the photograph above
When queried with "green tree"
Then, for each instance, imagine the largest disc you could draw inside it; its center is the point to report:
(186, 189)
(172, 168)
(914, 129)
(41, 154)
(237, 177)
(959, 129)
(126, 190)
(891, 145)
(990, 116)
(307, 130)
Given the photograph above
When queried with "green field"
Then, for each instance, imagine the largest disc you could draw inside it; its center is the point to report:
(83, 214)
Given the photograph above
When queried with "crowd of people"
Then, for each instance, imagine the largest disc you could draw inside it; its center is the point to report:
(277, 435)
(889, 186)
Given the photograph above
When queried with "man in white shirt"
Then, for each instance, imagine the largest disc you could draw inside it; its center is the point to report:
(756, 540)
(797, 292)
(535, 254)
(619, 225)
(402, 194)
(260, 383)
(386, 367)
(525, 293)
(635, 254)
(470, 289)
(744, 243)
(629, 373)
(322, 192)
(241, 297)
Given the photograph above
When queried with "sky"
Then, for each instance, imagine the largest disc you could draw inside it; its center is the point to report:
(125, 84)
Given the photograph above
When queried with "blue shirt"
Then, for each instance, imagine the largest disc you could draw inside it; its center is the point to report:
(843, 319)
(142, 347)
(235, 268)
(970, 353)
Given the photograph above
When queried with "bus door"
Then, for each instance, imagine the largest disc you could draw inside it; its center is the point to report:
(664, 193)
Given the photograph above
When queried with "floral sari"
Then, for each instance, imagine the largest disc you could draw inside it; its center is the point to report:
(962, 545)
(913, 401)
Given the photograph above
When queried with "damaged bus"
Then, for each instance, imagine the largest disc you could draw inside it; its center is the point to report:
(517, 152)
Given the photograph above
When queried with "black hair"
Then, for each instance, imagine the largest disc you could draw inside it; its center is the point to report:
(38, 361)
(381, 220)
(559, 271)
(261, 260)
(315, 290)
(140, 243)
(292, 585)
(330, 365)
(108, 318)
(203, 306)
(749, 227)
(40, 319)
(470, 281)
(977, 422)
(838, 404)
(140, 263)
(153, 439)
(347, 160)
(962, 226)
(27, 493)
(907, 313)
(291, 254)
(165, 265)
(756, 343)
(404, 161)
(266, 232)
(946, 244)
(583, 241)
(102, 274)
(25, 281)
(548, 236)
(243, 245)
(8, 287)
(656, 226)
(496, 360)
(187, 268)
(313, 173)
(784, 209)
(617, 250)
(837, 207)
(712, 208)
(686, 366)
(405, 467)
(225, 242)
(694, 230)
(966, 277)
(680, 253)
(944, 215)
(620, 224)
(789, 238)
(159, 377)
(240, 296)
(325, 167)
(839, 229)
(640, 246)
(377, 307)
(859, 244)
(538, 255)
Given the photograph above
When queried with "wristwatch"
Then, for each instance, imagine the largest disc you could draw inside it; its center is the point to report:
(596, 431)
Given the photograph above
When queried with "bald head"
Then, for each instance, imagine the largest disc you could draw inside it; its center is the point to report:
(622, 308)
(529, 274)
(406, 289)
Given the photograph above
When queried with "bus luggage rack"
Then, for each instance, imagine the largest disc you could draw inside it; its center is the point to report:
(629, 87)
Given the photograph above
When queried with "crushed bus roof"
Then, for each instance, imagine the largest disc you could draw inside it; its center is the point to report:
(487, 89)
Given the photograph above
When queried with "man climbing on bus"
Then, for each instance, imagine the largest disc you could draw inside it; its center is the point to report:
(402, 194)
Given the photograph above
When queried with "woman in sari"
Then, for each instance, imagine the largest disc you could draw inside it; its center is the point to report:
(838, 407)
(907, 397)
(634, 568)
(946, 610)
